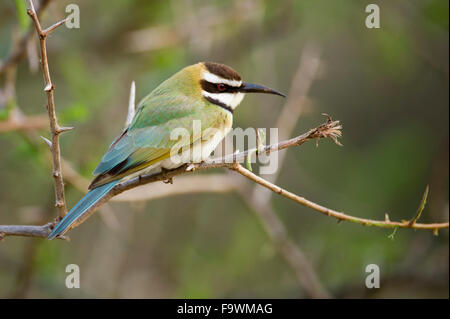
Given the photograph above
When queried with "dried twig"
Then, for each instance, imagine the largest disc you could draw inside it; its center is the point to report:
(25, 230)
(55, 129)
(421, 207)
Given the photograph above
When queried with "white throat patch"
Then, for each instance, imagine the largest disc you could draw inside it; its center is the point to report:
(229, 99)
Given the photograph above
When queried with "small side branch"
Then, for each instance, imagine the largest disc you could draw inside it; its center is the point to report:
(55, 129)
(332, 213)
(26, 231)
(423, 202)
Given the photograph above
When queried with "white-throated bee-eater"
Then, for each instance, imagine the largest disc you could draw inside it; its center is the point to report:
(207, 92)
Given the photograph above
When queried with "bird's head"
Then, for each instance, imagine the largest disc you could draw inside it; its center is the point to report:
(221, 85)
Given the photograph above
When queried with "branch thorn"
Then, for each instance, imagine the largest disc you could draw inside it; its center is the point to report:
(47, 141)
(65, 129)
(48, 87)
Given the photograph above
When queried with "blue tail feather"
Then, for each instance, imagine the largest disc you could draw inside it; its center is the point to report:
(81, 207)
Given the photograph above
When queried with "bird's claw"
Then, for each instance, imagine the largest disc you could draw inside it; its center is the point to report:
(166, 180)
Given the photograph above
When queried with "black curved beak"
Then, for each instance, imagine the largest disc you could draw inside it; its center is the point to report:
(256, 88)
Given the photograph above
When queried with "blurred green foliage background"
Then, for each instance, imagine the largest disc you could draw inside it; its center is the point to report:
(388, 87)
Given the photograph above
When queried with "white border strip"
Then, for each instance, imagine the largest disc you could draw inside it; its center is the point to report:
(207, 76)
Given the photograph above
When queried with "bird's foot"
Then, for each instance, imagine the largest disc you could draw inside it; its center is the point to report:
(168, 180)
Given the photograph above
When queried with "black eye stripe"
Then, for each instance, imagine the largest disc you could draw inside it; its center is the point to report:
(212, 87)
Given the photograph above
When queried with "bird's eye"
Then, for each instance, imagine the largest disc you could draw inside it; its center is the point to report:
(221, 87)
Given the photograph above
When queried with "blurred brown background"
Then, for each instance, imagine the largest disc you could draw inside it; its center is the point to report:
(388, 87)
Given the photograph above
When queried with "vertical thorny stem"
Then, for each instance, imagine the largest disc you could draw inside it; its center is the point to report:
(55, 129)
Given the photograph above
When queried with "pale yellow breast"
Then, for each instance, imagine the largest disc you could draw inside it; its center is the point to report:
(213, 136)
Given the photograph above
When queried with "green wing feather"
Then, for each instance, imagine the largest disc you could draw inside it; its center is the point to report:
(147, 140)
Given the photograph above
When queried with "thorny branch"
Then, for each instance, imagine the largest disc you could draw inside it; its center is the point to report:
(55, 129)
(332, 213)
(330, 129)
(322, 131)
